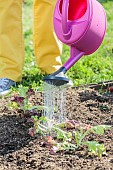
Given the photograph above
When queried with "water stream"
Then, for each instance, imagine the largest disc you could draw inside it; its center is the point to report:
(55, 103)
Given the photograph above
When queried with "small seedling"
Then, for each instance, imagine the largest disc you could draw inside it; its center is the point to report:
(65, 140)
(22, 100)
(93, 146)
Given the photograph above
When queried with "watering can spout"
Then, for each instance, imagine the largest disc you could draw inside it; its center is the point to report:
(75, 55)
(57, 78)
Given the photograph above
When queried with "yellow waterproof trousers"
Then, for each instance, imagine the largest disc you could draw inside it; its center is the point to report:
(46, 45)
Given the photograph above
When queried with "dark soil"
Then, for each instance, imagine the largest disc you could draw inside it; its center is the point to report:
(19, 151)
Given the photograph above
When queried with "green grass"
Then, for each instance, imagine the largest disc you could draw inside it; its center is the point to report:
(95, 68)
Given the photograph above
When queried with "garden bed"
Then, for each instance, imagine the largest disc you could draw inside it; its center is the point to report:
(20, 151)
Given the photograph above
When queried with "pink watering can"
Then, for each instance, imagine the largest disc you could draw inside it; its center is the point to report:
(80, 24)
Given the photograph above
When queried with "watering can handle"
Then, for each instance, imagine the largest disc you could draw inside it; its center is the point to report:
(65, 26)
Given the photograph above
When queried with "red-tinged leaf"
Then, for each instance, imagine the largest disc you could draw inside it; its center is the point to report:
(30, 92)
(31, 132)
(51, 140)
(19, 100)
(111, 89)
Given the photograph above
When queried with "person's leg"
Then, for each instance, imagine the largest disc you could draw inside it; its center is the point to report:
(11, 40)
(46, 45)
